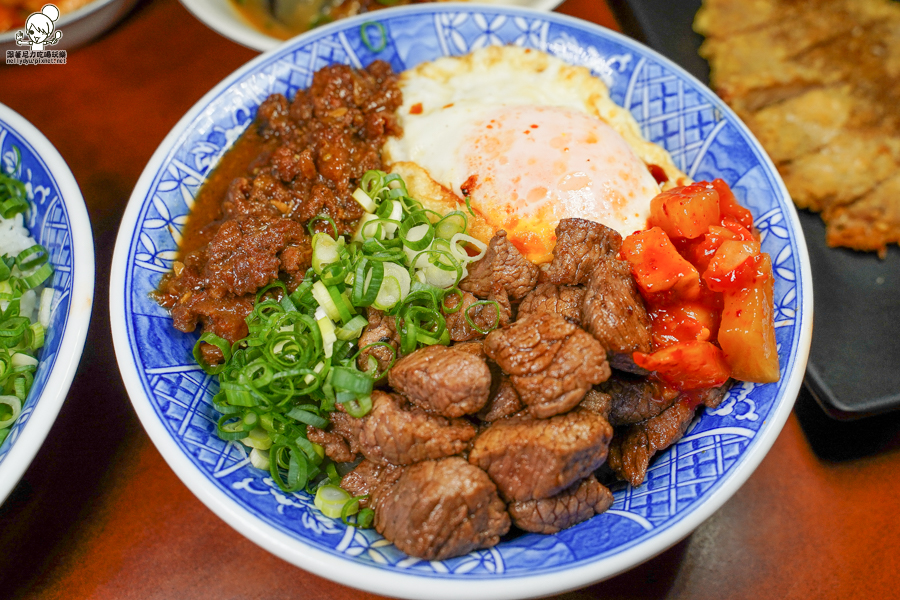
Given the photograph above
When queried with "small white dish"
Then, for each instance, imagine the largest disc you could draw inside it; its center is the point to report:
(222, 17)
(58, 220)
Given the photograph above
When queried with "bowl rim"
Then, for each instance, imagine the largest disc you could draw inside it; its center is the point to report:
(71, 346)
(410, 585)
(66, 19)
(239, 30)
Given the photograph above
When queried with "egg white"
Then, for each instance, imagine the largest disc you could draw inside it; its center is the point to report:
(530, 139)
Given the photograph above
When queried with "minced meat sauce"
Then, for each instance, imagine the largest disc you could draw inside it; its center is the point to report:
(300, 159)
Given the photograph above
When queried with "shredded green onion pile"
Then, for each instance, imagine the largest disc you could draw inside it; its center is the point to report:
(20, 337)
(300, 358)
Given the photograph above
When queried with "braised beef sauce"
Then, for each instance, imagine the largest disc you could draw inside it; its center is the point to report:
(299, 160)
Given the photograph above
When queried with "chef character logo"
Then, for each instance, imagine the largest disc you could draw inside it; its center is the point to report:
(39, 29)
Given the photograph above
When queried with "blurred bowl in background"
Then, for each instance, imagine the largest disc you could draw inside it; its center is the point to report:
(79, 26)
(58, 220)
(225, 19)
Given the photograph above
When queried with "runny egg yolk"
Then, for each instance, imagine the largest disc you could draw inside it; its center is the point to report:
(528, 167)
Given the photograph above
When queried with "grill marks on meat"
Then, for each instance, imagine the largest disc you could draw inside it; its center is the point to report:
(502, 263)
(443, 380)
(580, 245)
(538, 458)
(551, 363)
(401, 433)
(577, 503)
(309, 156)
(441, 509)
(562, 300)
(613, 311)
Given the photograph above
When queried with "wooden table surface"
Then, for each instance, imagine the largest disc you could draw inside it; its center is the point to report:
(100, 515)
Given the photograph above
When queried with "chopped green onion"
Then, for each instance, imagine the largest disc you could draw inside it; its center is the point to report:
(331, 499)
(364, 36)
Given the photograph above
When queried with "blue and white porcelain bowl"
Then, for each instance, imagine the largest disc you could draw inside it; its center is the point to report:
(685, 484)
(58, 220)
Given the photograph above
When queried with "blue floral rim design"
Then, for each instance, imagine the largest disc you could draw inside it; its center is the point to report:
(689, 480)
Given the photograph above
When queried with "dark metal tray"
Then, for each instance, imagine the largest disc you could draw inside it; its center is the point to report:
(854, 362)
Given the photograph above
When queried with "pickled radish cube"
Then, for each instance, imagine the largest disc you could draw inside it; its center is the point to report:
(724, 271)
(700, 251)
(657, 266)
(687, 365)
(686, 212)
(728, 205)
(683, 322)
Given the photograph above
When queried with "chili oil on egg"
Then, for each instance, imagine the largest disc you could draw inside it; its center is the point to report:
(529, 140)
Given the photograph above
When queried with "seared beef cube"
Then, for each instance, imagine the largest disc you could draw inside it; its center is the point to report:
(341, 441)
(580, 245)
(381, 329)
(401, 433)
(551, 362)
(636, 399)
(485, 316)
(441, 509)
(503, 401)
(632, 449)
(370, 478)
(503, 263)
(564, 301)
(614, 313)
(443, 380)
(598, 402)
(579, 502)
(537, 458)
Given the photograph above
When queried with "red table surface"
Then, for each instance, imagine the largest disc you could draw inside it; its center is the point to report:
(100, 515)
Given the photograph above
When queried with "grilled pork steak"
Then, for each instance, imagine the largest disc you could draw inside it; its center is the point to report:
(443, 380)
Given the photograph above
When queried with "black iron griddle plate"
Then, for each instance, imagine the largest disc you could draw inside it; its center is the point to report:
(854, 362)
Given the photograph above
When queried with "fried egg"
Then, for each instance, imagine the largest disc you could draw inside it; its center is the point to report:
(529, 140)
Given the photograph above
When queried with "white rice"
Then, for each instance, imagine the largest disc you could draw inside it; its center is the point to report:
(14, 237)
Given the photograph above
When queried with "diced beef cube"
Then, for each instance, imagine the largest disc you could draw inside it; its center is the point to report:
(401, 433)
(381, 330)
(537, 458)
(598, 402)
(503, 400)
(636, 399)
(441, 509)
(443, 380)
(632, 449)
(579, 502)
(485, 316)
(580, 245)
(613, 312)
(564, 301)
(369, 478)
(502, 263)
(551, 362)
(341, 441)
